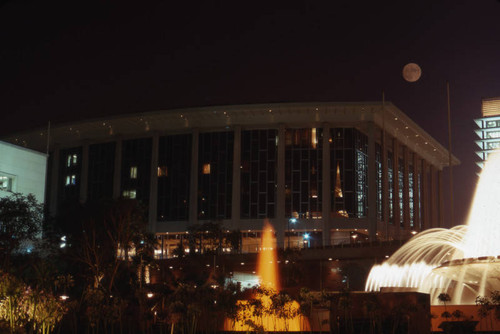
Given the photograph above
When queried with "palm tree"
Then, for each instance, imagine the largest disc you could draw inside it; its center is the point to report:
(443, 298)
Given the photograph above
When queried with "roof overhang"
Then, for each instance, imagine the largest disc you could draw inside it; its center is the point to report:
(213, 118)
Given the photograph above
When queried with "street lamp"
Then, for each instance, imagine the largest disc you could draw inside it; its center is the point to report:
(293, 221)
(306, 240)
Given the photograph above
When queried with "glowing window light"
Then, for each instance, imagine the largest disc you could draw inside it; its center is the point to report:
(314, 138)
(133, 172)
(206, 169)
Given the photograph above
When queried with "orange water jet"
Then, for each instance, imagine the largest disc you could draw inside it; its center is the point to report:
(268, 259)
(260, 313)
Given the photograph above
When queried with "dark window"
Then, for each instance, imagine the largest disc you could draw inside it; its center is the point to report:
(101, 169)
(258, 173)
(215, 175)
(174, 170)
(401, 191)
(390, 186)
(378, 159)
(361, 173)
(303, 173)
(411, 185)
(419, 189)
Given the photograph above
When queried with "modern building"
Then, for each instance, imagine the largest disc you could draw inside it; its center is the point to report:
(322, 173)
(489, 129)
(22, 171)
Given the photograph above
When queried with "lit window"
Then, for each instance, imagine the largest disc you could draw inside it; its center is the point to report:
(71, 160)
(491, 124)
(129, 193)
(338, 184)
(314, 138)
(493, 134)
(6, 182)
(493, 145)
(162, 171)
(206, 169)
(70, 180)
(133, 172)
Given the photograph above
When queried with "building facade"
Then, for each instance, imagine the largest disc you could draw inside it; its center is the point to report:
(321, 173)
(22, 171)
(488, 129)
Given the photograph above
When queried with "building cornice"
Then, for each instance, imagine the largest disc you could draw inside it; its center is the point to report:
(214, 118)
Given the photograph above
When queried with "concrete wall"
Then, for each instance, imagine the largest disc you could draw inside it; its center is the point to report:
(28, 169)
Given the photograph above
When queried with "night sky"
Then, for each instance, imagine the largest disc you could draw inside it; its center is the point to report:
(67, 61)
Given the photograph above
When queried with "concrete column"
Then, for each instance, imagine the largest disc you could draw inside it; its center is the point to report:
(426, 216)
(440, 209)
(326, 188)
(153, 187)
(236, 196)
(416, 194)
(395, 187)
(406, 188)
(281, 222)
(117, 173)
(372, 182)
(433, 197)
(84, 176)
(193, 186)
(54, 180)
(385, 186)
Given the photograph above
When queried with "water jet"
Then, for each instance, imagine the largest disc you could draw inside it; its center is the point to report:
(463, 261)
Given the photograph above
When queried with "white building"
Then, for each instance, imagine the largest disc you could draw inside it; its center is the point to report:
(489, 129)
(22, 171)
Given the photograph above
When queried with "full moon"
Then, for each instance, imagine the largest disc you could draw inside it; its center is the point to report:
(411, 72)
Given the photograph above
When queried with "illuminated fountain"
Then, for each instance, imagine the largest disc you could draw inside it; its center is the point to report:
(267, 270)
(463, 261)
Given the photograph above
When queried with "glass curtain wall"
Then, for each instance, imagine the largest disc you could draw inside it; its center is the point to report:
(215, 175)
(258, 173)
(101, 171)
(390, 185)
(174, 176)
(136, 168)
(349, 172)
(303, 173)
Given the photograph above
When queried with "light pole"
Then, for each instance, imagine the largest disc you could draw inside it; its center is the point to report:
(293, 221)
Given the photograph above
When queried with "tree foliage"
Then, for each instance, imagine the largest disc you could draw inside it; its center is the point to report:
(20, 222)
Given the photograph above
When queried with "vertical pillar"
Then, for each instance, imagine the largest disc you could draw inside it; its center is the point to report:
(395, 188)
(84, 178)
(153, 187)
(406, 188)
(117, 172)
(440, 209)
(193, 186)
(416, 193)
(426, 216)
(385, 187)
(236, 196)
(372, 184)
(433, 197)
(280, 200)
(325, 191)
(54, 180)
